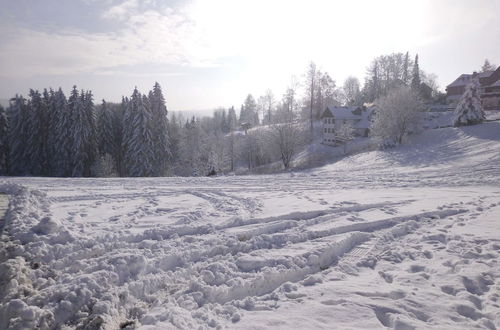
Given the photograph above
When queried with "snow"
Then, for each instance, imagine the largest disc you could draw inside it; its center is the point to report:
(343, 112)
(405, 238)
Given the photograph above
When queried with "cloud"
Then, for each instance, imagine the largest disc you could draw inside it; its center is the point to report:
(121, 11)
(271, 38)
(148, 37)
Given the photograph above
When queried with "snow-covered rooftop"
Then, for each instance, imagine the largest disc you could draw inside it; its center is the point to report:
(360, 115)
(461, 81)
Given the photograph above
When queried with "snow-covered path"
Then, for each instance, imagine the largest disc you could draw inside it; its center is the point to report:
(407, 238)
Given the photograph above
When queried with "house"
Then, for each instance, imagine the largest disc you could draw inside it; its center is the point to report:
(490, 88)
(334, 117)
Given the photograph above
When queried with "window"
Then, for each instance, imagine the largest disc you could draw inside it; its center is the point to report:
(326, 130)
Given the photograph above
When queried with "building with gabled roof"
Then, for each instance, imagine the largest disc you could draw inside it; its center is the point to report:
(490, 88)
(358, 117)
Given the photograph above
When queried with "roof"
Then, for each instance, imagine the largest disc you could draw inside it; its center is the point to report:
(496, 84)
(464, 79)
(327, 114)
(366, 118)
(343, 112)
(361, 116)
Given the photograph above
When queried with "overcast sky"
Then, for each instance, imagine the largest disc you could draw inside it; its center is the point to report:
(213, 53)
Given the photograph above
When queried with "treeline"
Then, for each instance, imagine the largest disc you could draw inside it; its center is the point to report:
(48, 134)
(226, 143)
(51, 135)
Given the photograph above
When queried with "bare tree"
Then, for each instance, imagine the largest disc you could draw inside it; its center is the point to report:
(290, 99)
(397, 115)
(311, 86)
(430, 79)
(351, 91)
(326, 93)
(286, 139)
(268, 104)
(231, 150)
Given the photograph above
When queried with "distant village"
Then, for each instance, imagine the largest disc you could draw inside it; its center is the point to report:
(360, 117)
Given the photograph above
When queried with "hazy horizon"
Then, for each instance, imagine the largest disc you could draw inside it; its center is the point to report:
(211, 54)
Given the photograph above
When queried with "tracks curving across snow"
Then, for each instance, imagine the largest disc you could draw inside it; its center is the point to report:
(387, 245)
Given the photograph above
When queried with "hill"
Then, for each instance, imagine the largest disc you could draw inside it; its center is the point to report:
(404, 238)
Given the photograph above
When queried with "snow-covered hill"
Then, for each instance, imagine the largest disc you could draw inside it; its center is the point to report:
(405, 238)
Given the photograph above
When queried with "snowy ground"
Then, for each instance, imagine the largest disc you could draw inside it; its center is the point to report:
(407, 238)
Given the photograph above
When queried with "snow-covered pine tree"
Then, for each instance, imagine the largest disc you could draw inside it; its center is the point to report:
(91, 147)
(4, 146)
(77, 130)
(61, 139)
(105, 131)
(160, 130)
(48, 100)
(174, 131)
(139, 157)
(17, 114)
(469, 110)
(36, 135)
(118, 124)
(128, 134)
(193, 160)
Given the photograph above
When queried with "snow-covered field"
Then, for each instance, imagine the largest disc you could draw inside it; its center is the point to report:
(406, 238)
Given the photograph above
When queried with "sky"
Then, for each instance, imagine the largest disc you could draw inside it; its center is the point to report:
(212, 53)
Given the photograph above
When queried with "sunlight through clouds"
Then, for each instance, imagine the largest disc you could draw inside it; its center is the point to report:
(257, 41)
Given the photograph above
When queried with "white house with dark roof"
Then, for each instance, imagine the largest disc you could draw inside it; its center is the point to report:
(358, 117)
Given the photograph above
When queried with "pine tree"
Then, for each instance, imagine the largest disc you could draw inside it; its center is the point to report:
(232, 119)
(105, 129)
(138, 144)
(48, 100)
(469, 110)
(248, 112)
(224, 122)
(160, 130)
(91, 146)
(61, 138)
(193, 150)
(174, 130)
(487, 66)
(118, 128)
(17, 115)
(406, 68)
(4, 146)
(415, 81)
(36, 151)
(78, 133)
